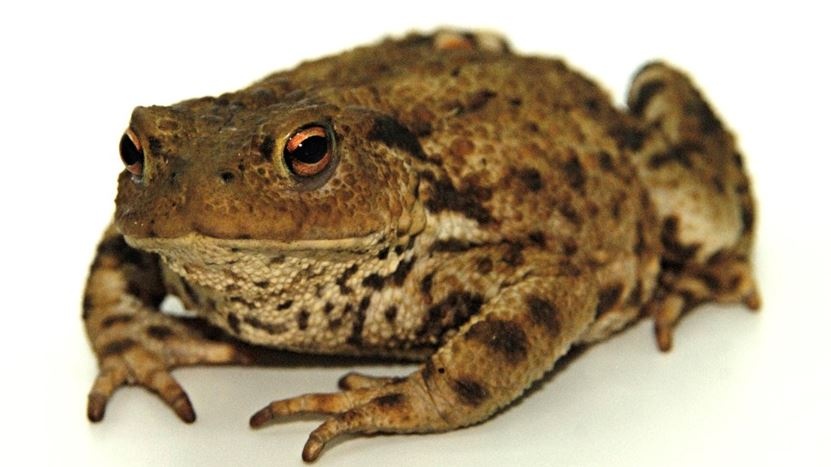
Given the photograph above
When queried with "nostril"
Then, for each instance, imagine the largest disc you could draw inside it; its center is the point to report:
(132, 153)
(226, 177)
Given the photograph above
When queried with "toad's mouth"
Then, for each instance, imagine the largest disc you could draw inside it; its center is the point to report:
(195, 242)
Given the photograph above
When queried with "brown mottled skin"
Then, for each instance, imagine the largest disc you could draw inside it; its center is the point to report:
(478, 211)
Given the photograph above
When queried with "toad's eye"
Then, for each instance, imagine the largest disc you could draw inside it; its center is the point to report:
(132, 153)
(308, 151)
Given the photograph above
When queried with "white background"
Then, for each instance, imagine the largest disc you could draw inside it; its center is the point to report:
(738, 389)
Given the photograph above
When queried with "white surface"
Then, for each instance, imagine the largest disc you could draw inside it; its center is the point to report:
(738, 389)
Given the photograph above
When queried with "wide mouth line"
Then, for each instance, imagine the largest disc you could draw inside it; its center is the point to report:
(242, 244)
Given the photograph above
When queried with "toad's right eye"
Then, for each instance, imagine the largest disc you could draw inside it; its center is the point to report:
(132, 153)
(308, 151)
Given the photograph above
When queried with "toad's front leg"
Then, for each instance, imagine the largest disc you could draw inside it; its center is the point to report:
(134, 343)
(515, 339)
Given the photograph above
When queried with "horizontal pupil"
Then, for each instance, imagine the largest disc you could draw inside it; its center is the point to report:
(311, 150)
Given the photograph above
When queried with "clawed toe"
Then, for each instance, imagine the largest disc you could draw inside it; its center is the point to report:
(380, 405)
(139, 367)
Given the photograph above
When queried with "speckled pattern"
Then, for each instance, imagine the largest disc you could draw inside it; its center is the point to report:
(435, 198)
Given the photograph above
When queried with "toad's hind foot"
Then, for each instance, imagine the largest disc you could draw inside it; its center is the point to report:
(723, 279)
(397, 405)
(696, 179)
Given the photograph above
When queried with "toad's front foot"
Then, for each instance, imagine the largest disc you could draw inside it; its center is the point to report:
(366, 405)
(142, 350)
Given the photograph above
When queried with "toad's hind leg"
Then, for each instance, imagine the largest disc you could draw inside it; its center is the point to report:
(696, 180)
(515, 339)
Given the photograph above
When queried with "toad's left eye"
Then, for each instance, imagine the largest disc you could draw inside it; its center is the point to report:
(308, 151)
(132, 153)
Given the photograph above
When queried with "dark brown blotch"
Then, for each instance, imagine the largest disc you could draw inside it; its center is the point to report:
(606, 162)
(373, 281)
(391, 313)
(570, 247)
(233, 322)
(707, 120)
(680, 154)
(748, 218)
(674, 250)
(390, 400)
(303, 319)
(513, 255)
(479, 99)
(467, 201)
(451, 245)
(645, 94)
(608, 298)
(450, 313)
(86, 307)
(635, 298)
(393, 134)
(712, 281)
(116, 247)
(575, 176)
(617, 206)
(117, 347)
(277, 259)
(159, 332)
(718, 184)
(567, 210)
(135, 286)
(271, 328)
(502, 336)
(640, 240)
(356, 337)
(113, 320)
(341, 280)
(537, 238)
(382, 255)
(427, 284)
(543, 313)
(469, 391)
(484, 265)
(628, 137)
(155, 145)
(402, 271)
(566, 267)
(531, 178)
(267, 148)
